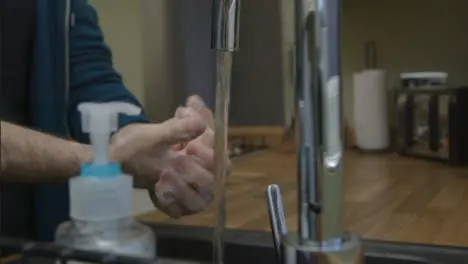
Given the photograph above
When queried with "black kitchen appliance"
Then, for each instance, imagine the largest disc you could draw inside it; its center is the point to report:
(432, 122)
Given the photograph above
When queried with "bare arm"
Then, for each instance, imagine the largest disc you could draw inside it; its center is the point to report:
(28, 155)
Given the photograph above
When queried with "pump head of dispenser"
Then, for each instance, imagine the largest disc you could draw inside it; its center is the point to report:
(101, 192)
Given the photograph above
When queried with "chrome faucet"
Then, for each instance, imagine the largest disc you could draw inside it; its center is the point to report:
(225, 25)
(320, 238)
(225, 39)
(319, 104)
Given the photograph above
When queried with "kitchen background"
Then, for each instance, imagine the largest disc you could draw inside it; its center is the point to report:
(162, 49)
(411, 35)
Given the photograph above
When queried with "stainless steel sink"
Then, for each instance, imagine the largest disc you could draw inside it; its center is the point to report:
(194, 244)
(187, 245)
(368, 260)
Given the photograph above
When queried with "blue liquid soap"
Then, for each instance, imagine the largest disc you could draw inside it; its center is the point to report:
(101, 197)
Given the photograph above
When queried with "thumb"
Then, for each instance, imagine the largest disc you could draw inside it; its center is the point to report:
(142, 138)
(177, 130)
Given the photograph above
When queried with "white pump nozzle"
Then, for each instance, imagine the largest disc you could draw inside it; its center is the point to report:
(100, 120)
(96, 196)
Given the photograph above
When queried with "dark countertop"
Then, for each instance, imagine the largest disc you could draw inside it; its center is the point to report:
(185, 245)
(256, 247)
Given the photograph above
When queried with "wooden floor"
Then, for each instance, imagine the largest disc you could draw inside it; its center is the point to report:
(387, 197)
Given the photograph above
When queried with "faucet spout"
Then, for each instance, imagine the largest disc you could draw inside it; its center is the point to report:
(329, 122)
(225, 25)
(319, 104)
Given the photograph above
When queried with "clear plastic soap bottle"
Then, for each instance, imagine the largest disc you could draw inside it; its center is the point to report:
(101, 197)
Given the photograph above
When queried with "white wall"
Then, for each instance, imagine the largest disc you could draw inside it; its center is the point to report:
(120, 21)
(136, 32)
(157, 59)
(411, 35)
(288, 49)
(122, 24)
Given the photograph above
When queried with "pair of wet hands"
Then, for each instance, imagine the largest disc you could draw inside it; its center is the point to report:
(173, 158)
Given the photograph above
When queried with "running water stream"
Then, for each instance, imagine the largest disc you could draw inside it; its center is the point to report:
(223, 87)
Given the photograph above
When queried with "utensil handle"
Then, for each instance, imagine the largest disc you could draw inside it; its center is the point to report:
(277, 218)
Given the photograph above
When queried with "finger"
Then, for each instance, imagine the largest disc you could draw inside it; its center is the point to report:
(207, 116)
(196, 103)
(163, 197)
(202, 155)
(194, 175)
(147, 137)
(178, 146)
(201, 180)
(164, 208)
(177, 130)
(179, 112)
(182, 112)
(207, 138)
(184, 198)
(184, 187)
(203, 147)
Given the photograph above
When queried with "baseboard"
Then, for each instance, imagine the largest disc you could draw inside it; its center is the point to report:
(349, 136)
(256, 136)
(351, 142)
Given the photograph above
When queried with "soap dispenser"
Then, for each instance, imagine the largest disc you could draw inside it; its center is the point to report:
(101, 196)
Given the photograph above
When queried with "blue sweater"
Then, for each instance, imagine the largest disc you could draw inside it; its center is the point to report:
(72, 64)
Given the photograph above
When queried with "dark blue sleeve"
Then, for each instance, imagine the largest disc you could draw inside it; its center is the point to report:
(92, 76)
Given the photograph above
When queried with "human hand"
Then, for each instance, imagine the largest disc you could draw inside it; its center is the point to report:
(186, 186)
(144, 149)
(173, 160)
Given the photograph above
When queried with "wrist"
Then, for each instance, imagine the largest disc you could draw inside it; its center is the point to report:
(86, 153)
(120, 143)
(83, 154)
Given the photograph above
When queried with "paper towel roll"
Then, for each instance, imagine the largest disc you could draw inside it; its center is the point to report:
(370, 110)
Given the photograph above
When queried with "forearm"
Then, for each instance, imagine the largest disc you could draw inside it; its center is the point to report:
(28, 155)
